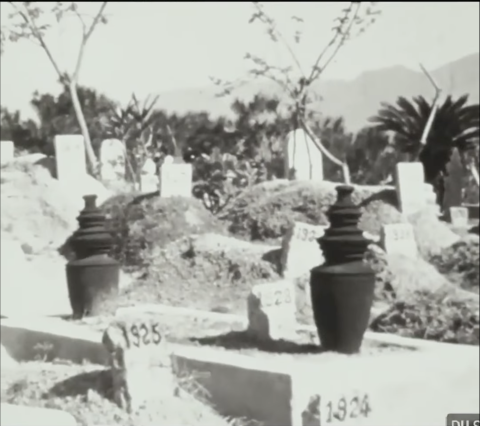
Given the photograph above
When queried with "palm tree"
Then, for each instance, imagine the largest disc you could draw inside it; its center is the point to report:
(455, 125)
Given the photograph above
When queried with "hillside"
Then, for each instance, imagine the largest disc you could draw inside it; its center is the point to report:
(355, 100)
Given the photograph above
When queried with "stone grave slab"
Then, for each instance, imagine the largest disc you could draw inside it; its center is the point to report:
(304, 161)
(176, 180)
(70, 158)
(271, 310)
(149, 179)
(410, 179)
(300, 249)
(15, 415)
(399, 238)
(459, 216)
(7, 152)
(140, 361)
(112, 157)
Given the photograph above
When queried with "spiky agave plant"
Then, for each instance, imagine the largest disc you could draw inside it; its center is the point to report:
(135, 126)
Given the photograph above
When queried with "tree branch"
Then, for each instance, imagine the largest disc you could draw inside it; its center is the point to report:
(30, 21)
(434, 107)
(85, 37)
(274, 28)
(316, 69)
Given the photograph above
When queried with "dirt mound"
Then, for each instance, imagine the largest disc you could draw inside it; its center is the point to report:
(208, 271)
(36, 210)
(142, 223)
(267, 210)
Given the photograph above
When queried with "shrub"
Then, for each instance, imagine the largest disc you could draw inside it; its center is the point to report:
(460, 263)
(143, 222)
(432, 316)
(267, 210)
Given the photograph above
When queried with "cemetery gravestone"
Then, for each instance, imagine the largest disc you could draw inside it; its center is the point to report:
(300, 249)
(271, 311)
(70, 158)
(176, 180)
(459, 216)
(140, 361)
(399, 238)
(304, 161)
(410, 180)
(7, 152)
(149, 181)
(112, 156)
(453, 183)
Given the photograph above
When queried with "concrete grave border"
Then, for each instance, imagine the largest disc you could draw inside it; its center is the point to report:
(273, 391)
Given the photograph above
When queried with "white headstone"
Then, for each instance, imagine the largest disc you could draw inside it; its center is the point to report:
(300, 249)
(176, 180)
(7, 151)
(304, 161)
(459, 216)
(271, 311)
(149, 180)
(399, 238)
(168, 159)
(70, 158)
(410, 179)
(140, 361)
(112, 157)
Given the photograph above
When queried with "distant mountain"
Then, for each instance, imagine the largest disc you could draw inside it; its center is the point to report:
(355, 100)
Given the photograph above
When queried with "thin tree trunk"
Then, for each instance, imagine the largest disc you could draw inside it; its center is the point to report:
(91, 158)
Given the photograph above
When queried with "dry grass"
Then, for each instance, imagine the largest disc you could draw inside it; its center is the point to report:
(86, 393)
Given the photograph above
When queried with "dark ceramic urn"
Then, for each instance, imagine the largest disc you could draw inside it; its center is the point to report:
(93, 276)
(342, 288)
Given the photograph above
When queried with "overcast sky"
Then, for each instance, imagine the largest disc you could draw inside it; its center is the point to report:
(155, 47)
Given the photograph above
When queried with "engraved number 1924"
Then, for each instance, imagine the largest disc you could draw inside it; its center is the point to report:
(348, 408)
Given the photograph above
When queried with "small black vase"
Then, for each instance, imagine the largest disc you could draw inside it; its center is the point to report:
(342, 288)
(93, 276)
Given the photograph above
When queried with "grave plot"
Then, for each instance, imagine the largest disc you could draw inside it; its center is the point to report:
(86, 393)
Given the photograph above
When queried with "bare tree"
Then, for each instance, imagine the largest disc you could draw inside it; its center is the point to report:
(353, 21)
(30, 21)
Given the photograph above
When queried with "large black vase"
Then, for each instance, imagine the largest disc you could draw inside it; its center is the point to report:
(93, 276)
(342, 288)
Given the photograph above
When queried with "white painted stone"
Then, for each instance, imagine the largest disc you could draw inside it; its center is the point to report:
(410, 179)
(70, 158)
(7, 152)
(303, 159)
(140, 361)
(168, 159)
(15, 415)
(399, 238)
(300, 249)
(112, 157)
(176, 180)
(459, 216)
(271, 311)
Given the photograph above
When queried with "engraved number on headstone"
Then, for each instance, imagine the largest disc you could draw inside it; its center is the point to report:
(305, 234)
(277, 298)
(143, 335)
(352, 408)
